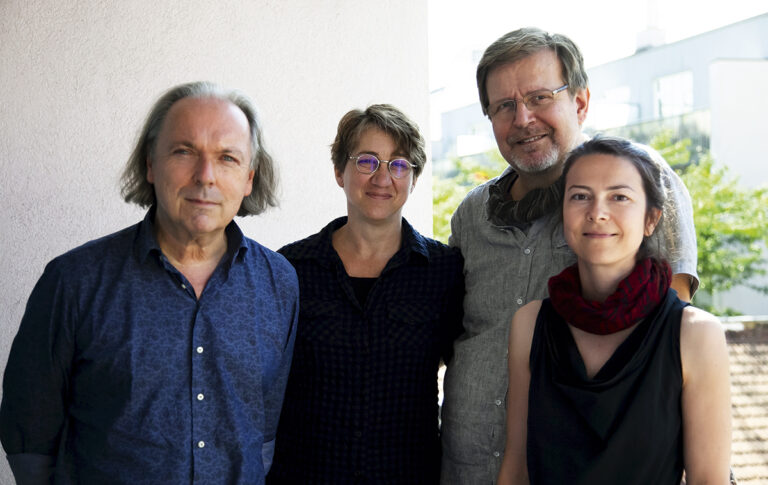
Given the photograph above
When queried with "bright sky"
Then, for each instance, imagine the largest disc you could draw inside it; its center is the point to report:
(605, 30)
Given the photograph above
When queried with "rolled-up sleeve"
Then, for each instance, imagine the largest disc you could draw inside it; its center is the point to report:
(685, 234)
(35, 385)
(682, 236)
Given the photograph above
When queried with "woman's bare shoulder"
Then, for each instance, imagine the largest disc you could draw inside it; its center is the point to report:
(702, 342)
(699, 324)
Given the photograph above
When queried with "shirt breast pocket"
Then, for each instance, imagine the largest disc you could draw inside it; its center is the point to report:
(322, 322)
(413, 323)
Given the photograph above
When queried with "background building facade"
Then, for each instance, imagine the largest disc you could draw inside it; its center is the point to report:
(707, 88)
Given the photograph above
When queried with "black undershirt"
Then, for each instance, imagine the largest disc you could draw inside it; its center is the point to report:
(361, 287)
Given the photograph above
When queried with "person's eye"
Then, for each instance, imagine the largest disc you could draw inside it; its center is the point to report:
(181, 151)
(507, 105)
(367, 162)
(400, 166)
(540, 98)
(620, 197)
(579, 196)
(229, 158)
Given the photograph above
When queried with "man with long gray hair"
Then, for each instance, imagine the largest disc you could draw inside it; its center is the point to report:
(160, 353)
(533, 88)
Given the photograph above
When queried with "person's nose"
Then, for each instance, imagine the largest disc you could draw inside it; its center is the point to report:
(598, 211)
(523, 116)
(205, 171)
(382, 177)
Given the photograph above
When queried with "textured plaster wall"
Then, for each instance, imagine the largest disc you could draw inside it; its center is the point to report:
(77, 78)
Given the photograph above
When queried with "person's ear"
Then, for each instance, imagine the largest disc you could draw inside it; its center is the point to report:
(651, 221)
(339, 177)
(150, 175)
(581, 98)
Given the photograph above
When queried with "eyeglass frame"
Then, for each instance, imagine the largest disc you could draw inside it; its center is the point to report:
(411, 166)
(554, 92)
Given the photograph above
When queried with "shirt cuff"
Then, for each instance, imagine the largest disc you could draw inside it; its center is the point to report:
(267, 453)
(31, 468)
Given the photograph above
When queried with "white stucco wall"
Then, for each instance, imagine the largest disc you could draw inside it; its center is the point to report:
(738, 118)
(78, 77)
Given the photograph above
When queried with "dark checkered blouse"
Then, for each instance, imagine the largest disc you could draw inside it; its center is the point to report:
(361, 403)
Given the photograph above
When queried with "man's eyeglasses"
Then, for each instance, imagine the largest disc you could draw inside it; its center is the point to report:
(367, 163)
(505, 109)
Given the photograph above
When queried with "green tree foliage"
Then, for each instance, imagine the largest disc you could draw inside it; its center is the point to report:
(448, 192)
(731, 220)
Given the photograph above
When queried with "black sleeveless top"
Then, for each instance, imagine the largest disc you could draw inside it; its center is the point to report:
(623, 426)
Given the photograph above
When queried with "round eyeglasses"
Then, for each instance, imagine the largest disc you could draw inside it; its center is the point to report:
(367, 163)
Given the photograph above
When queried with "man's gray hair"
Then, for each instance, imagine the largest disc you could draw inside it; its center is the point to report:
(134, 185)
(522, 43)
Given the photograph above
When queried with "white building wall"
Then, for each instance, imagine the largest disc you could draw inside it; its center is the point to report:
(740, 142)
(636, 74)
(739, 131)
(78, 78)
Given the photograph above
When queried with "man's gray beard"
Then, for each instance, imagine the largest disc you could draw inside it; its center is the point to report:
(547, 163)
(543, 200)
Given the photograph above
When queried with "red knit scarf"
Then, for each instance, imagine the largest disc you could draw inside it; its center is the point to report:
(635, 298)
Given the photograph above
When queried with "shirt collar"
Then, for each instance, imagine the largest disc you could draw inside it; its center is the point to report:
(146, 243)
(503, 183)
(320, 248)
(502, 211)
(498, 203)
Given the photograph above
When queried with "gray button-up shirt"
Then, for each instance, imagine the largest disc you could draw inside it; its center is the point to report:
(505, 268)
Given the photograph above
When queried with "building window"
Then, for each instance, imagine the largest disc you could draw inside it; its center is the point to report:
(614, 108)
(673, 95)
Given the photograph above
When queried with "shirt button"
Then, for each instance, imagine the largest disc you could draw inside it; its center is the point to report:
(183, 286)
(199, 350)
(201, 444)
(498, 402)
(200, 397)
(519, 301)
(496, 454)
(527, 250)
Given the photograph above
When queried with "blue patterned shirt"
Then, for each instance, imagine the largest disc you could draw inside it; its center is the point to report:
(120, 374)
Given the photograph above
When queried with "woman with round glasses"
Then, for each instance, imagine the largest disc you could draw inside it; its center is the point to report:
(614, 379)
(380, 307)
